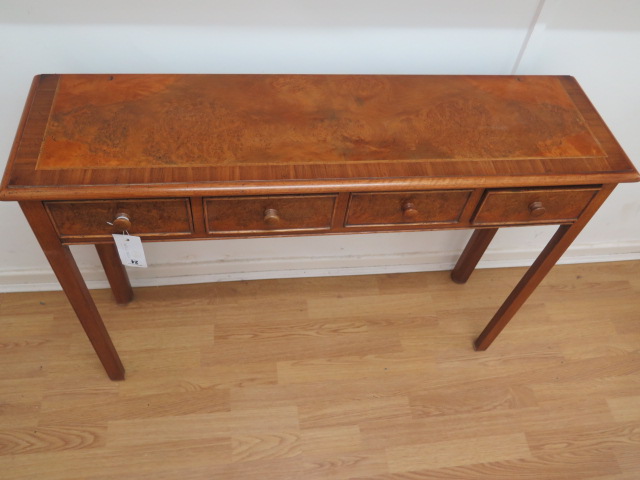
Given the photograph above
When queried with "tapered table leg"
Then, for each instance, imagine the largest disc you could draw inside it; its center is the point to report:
(558, 244)
(66, 270)
(472, 253)
(115, 271)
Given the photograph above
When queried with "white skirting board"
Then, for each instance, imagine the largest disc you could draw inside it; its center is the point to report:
(295, 267)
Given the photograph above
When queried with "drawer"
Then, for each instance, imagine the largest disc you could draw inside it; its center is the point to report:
(269, 214)
(401, 208)
(146, 217)
(555, 205)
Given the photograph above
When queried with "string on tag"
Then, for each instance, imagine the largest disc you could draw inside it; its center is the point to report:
(124, 232)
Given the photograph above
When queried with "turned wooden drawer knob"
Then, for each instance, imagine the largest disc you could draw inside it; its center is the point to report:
(409, 210)
(271, 217)
(121, 223)
(536, 209)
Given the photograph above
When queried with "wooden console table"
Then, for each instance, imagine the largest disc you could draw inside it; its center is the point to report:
(181, 157)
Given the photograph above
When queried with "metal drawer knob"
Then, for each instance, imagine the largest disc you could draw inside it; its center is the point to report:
(271, 217)
(409, 210)
(536, 209)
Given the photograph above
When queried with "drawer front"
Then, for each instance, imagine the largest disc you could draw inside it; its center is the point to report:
(532, 206)
(269, 214)
(402, 208)
(147, 217)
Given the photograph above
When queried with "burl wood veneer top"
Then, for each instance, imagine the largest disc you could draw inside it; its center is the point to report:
(228, 134)
(129, 121)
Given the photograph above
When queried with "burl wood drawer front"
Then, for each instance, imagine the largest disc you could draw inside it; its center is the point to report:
(269, 213)
(145, 217)
(533, 206)
(401, 208)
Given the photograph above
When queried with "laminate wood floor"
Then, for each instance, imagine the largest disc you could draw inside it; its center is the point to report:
(369, 377)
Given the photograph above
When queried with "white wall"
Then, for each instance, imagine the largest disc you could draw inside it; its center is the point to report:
(600, 46)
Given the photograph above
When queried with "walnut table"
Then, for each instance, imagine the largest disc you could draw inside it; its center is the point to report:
(185, 157)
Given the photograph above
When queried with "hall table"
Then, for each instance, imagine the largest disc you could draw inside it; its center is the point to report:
(183, 157)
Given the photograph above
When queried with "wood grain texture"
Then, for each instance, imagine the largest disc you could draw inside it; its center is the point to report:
(71, 281)
(406, 208)
(551, 253)
(403, 397)
(93, 219)
(196, 136)
(115, 272)
(472, 253)
(119, 136)
(265, 214)
(272, 215)
(180, 120)
(517, 206)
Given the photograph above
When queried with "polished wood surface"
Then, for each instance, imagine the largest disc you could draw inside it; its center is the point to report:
(471, 255)
(269, 214)
(175, 219)
(70, 279)
(121, 121)
(533, 206)
(93, 136)
(406, 208)
(104, 218)
(558, 244)
(115, 272)
(367, 377)
(214, 156)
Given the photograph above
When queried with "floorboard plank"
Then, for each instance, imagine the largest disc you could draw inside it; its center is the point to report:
(369, 377)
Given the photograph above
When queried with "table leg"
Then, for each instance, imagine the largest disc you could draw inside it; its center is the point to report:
(558, 244)
(66, 270)
(115, 271)
(472, 253)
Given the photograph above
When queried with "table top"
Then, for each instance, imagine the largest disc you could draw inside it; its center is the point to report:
(105, 136)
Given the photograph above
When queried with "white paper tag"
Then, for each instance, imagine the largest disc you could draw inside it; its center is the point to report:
(130, 250)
